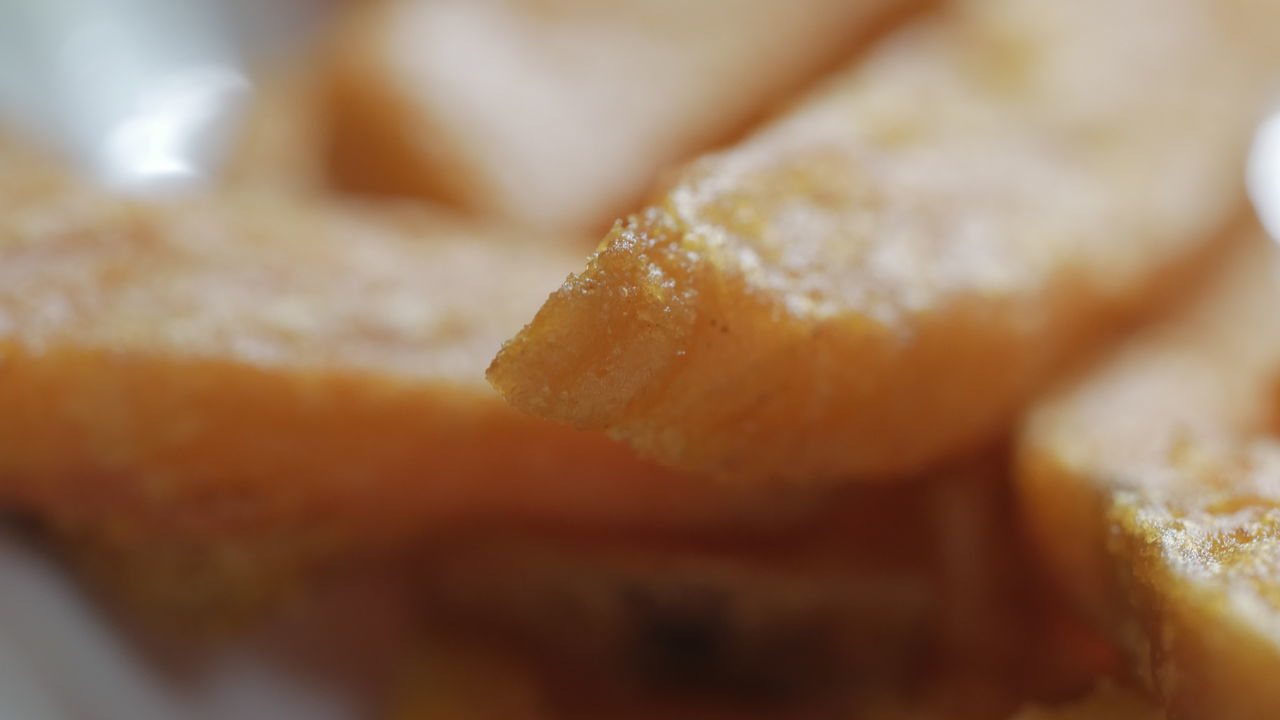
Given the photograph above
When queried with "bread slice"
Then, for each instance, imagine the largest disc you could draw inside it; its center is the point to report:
(561, 113)
(225, 380)
(882, 277)
(1149, 486)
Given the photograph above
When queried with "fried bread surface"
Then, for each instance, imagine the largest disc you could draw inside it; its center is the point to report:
(1150, 488)
(232, 378)
(886, 274)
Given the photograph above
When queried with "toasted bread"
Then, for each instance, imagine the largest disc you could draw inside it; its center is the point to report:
(885, 275)
(1149, 488)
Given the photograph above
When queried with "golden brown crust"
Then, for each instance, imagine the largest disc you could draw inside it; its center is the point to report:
(883, 276)
(1168, 534)
(225, 371)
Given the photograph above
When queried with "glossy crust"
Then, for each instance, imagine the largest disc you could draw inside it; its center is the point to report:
(883, 276)
(1149, 486)
(220, 382)
(568, 109)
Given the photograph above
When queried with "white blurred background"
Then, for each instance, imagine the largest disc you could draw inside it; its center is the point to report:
(143, 95)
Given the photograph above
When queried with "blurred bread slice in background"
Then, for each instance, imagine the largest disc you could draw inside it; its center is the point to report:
(1149, 487)
(251, 377)
(870, 589)
(561, 113)
(278, 145)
